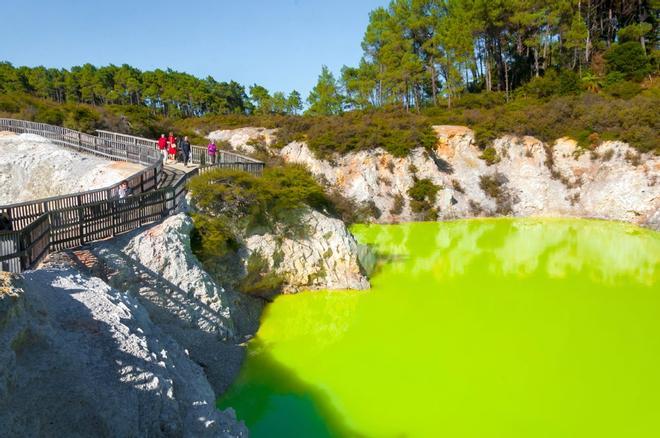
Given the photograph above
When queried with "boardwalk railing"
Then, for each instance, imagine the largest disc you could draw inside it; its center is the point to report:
(24, 213)
(198, 154)
(68, 221)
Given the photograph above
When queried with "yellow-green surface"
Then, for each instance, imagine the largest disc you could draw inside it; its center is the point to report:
(483, 328)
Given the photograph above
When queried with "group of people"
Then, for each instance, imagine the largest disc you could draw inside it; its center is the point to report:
(170, 146)
(174, 148)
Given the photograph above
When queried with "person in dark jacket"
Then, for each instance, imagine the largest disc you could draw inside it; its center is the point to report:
(5, 222)
(124, 190)
(185, 150)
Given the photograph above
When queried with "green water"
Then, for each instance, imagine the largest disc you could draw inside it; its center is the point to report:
(484, 328)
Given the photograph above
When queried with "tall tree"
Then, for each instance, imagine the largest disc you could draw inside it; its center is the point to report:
(294, 103)
(325, 98)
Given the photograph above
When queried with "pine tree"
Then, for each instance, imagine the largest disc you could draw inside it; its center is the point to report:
(325, 98)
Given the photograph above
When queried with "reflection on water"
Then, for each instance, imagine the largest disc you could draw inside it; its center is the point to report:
(606, 251)
(498, 328)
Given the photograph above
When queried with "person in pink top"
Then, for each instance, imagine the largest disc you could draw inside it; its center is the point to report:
(213, 151)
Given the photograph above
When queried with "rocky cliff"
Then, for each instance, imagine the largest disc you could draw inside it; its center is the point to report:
(81, 358)
(129, 337)
(326, 258)
(523, 177)
(157, 267)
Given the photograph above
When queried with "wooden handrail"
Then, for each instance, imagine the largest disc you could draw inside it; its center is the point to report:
(68, 221)
(196, 150)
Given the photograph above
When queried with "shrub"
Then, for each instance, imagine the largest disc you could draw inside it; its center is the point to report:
(423, 195)
(260, 280)
(630, 59)
(489, 155)
(607, 155)
(211, 239)
(569, 83)
(493, 186)
(49, 115)
(397, 206)
(457, 186)
(633, 158)
(8, 104)
(82, 119)
(541, 86)
(490, 186)
(253, 202)
(623, 89)
(396, 132)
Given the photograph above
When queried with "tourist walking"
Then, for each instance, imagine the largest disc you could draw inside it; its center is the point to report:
(185, 150)
(162, 146)
(212, 150)
(171, 146)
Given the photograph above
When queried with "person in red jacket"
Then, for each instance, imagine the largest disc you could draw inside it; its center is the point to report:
(162, 146)
(171, 144)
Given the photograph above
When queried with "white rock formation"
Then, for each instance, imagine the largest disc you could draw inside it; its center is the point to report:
(157, 266)
(80, 358)
(326, 258)
(615, 182)
(241, 139)
(31, 167)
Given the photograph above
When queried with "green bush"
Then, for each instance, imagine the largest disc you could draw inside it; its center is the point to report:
(489, 155)
(630, 59)
(233, 204)
(51, 116)
(9, 105)
(423, 195)
(623, 89)
(396, 132)
(253, 202)
(490, 186)
(397, 207)
(212, 238)
(541, 86)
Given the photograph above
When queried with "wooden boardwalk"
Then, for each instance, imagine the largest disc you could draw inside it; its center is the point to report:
(69, 221)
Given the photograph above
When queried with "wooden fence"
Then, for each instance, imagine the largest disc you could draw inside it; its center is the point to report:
(75, 226)
(198, 154)
(22, 214)
(68, 221)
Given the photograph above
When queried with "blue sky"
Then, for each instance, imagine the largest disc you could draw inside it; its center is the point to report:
(280, 44)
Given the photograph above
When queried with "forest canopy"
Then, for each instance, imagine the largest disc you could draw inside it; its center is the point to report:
(580, 68)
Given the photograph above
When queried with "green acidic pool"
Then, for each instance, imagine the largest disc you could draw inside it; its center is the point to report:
(483, 328)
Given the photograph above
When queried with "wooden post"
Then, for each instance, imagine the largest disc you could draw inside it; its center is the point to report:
(113, 213)
(23, 259)
(140, 211)
(81, 220)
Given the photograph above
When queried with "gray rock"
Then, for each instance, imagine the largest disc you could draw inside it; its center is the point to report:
(326, 258)
(80, 358)
(158, 267)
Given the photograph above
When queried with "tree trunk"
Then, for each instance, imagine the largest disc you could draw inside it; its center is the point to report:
(641, 18)
(434, 85)
(489, 78)
(536, 62)
(380, 85)
(506, 79)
